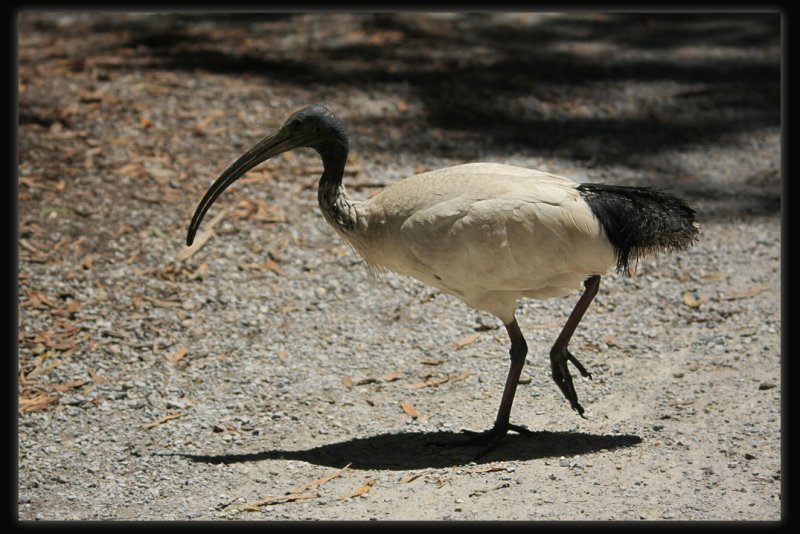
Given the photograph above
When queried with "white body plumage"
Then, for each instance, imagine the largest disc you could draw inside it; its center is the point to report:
(486, 233)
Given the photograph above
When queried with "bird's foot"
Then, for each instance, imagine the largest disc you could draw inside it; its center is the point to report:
(558, 364)
(487, 440)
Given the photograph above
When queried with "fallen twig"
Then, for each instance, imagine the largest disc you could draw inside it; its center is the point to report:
(162, 420)
(201, 238)
(314, 484)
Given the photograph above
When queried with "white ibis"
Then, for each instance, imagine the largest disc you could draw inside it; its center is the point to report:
(486, 233)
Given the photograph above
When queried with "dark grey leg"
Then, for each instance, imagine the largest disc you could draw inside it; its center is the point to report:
(559, 354)
(491, 438)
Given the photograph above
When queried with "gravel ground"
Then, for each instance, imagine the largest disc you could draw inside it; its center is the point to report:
(269, 376)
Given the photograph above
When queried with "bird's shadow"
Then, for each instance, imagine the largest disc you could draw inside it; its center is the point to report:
(416, 450)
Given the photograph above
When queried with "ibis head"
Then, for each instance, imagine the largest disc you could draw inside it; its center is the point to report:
(313, 127)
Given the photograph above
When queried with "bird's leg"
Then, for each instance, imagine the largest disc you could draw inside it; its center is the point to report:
(518, 351)
(559, 354)
(492, 437)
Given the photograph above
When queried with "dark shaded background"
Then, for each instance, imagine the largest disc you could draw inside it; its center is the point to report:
(482, 85)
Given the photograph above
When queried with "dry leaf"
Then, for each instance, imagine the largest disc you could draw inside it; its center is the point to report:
(611, 341)
(360, 491)
(274, 267)
(463, 376)
(38, 402)
(199, 128)
(464, 341)
(47, 337)
(410, 478)
(182, 351)
(72, 307)
(41, 370)
(35, 182)
(38, 299)
(744, 294)
(431, 362)
(347, 381)
(200, 272)
(282, 355)
(409, 409)
(23, 380)
(224, 427)
(430, 382)
(437, 381)
(392, 376)
(70, 384)
(720, 275)
(150, 200)
(131, 169)
(691, 301)
(314, 484)
(24, 243)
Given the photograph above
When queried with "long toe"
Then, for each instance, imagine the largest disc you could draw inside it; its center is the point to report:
(487, 440)
(519, 429)
(563, 380)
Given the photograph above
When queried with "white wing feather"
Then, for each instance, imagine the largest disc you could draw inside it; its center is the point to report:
(486, 233)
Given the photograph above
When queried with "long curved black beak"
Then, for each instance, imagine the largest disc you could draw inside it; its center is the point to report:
(267, 148)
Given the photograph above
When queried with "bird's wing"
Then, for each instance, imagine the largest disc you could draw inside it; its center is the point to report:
(486, 227)
(487, 233)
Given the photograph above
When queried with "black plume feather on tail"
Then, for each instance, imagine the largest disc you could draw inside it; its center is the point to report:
(640, 220)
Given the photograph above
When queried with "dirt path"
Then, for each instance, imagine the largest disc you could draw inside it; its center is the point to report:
(270, 376)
